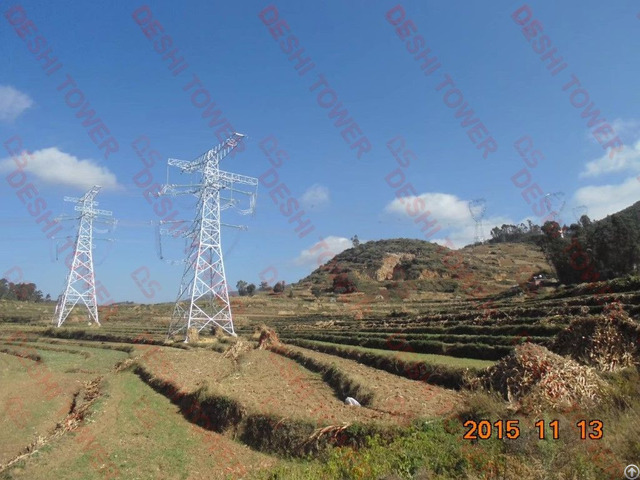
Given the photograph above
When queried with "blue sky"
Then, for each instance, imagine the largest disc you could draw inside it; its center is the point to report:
(359, 61)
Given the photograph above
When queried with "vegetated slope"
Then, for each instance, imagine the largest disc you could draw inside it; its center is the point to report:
(600, 250)
(402, 267)
(586, 250)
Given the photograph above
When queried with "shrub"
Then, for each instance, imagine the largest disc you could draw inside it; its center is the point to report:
(345, 283)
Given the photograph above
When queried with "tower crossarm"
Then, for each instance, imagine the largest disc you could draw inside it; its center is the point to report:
(78, 200)
(240, 227)
(217, 153)
(213, 155)
(235, 177)
(91, 194)
(92, 211)
(173, 189)
(183, 165)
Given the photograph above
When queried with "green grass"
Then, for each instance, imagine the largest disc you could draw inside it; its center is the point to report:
(134, 432)
(418, 357)
(428, 448)
(99, 361)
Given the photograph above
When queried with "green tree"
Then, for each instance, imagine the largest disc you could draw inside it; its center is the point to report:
(251, 289)
(242, 287)
(279, 287)
(345, 283)
(585, 221)
(4, 288)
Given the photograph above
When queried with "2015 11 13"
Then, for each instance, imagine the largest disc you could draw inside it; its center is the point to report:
(510, 429)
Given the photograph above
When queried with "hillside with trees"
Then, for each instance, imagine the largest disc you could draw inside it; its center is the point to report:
(591, 251)
(403, 267)
(585, 251)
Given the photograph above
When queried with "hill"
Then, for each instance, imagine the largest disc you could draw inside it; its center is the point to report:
(409, 267)
(591, 251)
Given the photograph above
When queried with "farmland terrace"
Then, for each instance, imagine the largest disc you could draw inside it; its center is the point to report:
(243, 407)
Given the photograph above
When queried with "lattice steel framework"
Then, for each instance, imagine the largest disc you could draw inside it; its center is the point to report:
(555, 203)
(579, 211)
(204, 298)
(80, 285)
(477, 210)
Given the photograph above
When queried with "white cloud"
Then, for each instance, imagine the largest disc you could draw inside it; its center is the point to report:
(626, 159)
(323, 251)
(451, 214)
(55, 167)
(464, 234)
(448, 209)
(12, 103)
(603, 200)
(626, 128)
(315, 196)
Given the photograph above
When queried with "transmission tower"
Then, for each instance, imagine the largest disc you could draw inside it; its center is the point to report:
(555, 203)
(476, 209)
(579, 211)
(81, 287)
(203, 298)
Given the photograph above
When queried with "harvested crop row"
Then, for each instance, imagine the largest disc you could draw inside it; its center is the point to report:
(388, 392)
(22, 354)
(342, 383)
(447, 377)
(395, 337)
(49, 348)
(265, 432)
(469, 350)
(107, 337)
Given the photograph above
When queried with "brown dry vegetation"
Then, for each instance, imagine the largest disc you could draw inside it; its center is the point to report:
(533, 379)
(265, 383)
(391, 393)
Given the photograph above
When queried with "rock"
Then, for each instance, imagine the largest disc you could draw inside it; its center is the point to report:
(352, 402)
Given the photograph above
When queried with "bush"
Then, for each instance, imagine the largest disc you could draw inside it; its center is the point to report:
(278, 287)
(345, 283)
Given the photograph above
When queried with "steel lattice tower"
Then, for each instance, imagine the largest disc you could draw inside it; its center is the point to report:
(204, 298)
(477, 210)
(81, 287)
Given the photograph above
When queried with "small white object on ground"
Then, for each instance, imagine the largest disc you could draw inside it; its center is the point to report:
(352, 401)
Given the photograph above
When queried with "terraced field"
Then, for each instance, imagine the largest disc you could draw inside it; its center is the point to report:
(223, 408)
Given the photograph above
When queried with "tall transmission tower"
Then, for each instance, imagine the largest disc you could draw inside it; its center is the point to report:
(81, 287)
(204, 298)
(579, 211)
(555, 203)
(476, 209)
